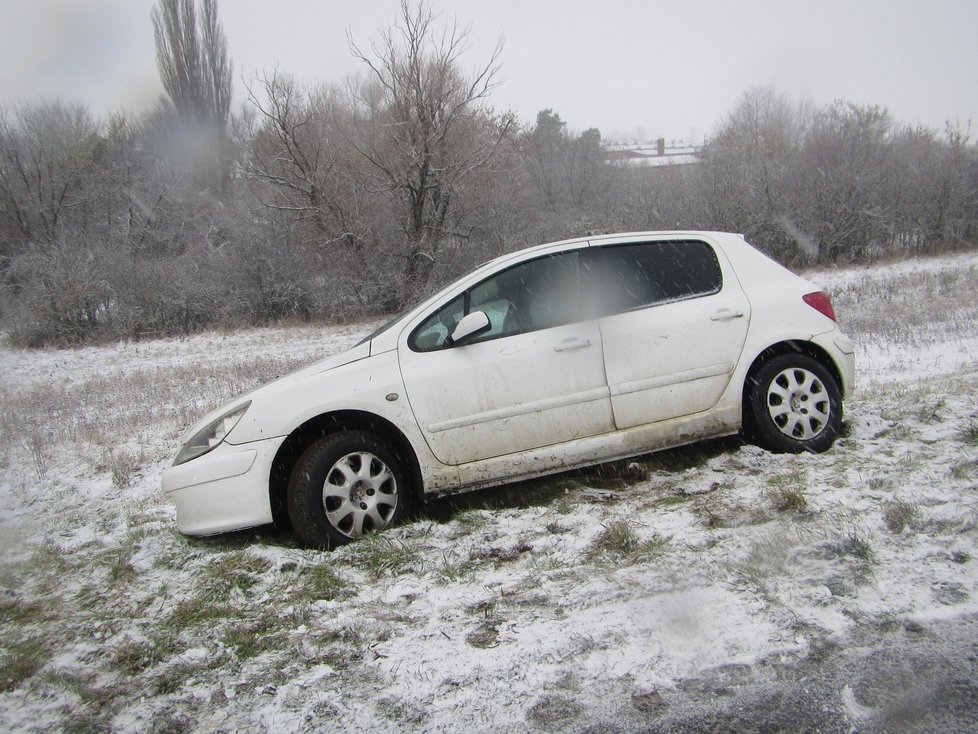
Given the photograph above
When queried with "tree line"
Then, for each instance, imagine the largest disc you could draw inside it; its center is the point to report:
(353, 198)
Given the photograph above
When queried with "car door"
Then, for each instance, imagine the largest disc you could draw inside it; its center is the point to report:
(535, 378)
(675, 325)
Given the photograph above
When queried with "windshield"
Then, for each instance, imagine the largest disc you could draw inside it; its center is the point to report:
(388, 324)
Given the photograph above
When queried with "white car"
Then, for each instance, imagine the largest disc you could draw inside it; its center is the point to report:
(554, 357)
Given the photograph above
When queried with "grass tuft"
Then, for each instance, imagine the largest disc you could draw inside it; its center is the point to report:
(714, 520)
(787, 491)
(82, 684)
(555, 711)
(931, 412)
(133, 657)
(117, 561)
(453, 570)
(969, 434)
(19, 611)
(235, 570)
(768, 556)
(249, 639)
(379, 555)
(619, 539)
(318, 583)
(198, 610)
(786, 499)
(37, 448)
(486, 635)
(964, 470)
(853, 545)
(19, 661)
(899, 515)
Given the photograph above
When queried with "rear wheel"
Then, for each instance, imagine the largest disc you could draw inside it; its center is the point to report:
(344, 486)
(794, 405)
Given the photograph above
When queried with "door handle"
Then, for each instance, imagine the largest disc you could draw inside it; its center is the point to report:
(726, 314)
(569, 345)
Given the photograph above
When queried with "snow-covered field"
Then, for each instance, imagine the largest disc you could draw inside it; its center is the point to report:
(545, 606)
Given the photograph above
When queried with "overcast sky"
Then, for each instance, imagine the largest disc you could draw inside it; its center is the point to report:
(667, 68)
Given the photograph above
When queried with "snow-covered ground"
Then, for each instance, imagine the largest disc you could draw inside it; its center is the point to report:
(544, 606)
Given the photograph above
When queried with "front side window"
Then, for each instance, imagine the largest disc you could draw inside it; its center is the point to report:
(534, 295)
(637, 276)
(433, 332)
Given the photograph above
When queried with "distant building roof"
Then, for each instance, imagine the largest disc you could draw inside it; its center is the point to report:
(652, 153)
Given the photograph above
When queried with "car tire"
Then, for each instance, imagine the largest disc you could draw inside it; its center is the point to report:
(346, 485)
(794, 404)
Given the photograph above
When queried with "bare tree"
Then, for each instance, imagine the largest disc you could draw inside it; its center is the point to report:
(587, 174)
(953, 211)
(416, 127)
(196, 73)
(44, 151)
(750, 170)
(846, 165)
(295, 152)
(306, 174)
(193, 60)
(545, 151)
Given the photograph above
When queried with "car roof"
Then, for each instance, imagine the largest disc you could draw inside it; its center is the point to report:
(597, 240)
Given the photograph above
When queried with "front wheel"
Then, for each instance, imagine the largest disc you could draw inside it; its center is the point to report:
(344, 486)
(794, 404)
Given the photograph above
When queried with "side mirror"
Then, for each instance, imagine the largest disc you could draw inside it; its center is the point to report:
(472, 324)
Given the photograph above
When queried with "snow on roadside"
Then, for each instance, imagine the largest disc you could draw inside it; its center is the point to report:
(513, 612)
(910, 318)
(296, 345)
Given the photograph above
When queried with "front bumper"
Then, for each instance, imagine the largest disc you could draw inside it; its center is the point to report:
(225, 489)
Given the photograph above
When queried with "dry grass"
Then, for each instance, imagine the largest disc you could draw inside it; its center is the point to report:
(174, 629)
(893, 308)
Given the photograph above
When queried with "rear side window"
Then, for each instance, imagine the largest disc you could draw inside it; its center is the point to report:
(637, 276)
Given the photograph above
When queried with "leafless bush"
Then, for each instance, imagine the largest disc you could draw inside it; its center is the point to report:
(124, 465)
(351, 198)
(36, 445)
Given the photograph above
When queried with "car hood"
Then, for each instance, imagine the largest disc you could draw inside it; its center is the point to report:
(305, 374)
(293, 379)
(360, 351)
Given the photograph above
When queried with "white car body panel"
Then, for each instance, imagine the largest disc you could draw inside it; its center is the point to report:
(672, 360)
(508, 395)
(525, 405)
(723, 421)
(287, 403)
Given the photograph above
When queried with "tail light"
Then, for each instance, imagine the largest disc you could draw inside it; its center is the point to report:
(821, 302)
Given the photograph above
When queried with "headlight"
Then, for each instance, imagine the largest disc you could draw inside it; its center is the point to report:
(210, 435)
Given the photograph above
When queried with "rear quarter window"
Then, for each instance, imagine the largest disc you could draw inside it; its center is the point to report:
(648, 274)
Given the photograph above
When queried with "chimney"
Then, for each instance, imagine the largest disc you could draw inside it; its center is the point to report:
(660, 146)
